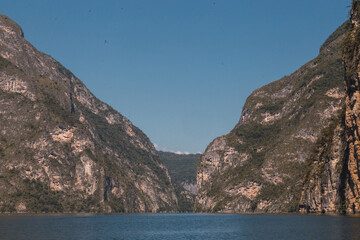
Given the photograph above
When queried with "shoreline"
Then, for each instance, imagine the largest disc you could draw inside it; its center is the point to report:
(70, 214)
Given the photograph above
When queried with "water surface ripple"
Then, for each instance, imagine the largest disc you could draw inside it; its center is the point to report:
(180, 227)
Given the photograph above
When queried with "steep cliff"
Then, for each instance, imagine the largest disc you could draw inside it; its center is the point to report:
(259, 166)
(352, 80)
(62, 149)
(323, 189)
(333, 182)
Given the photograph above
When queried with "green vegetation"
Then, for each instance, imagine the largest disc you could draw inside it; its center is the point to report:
(318, 168)
(322, 150)
(344, 28)
(39, 197)
(114, 166)
(4, 63)
(182, 169)
(281, 144)
(114, 136)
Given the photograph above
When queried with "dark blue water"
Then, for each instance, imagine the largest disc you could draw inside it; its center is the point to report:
(180, 226)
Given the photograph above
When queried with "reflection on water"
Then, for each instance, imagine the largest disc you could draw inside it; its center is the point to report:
(180, 226)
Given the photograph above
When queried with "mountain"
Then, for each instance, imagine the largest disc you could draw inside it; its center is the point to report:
(332, 184)
(182, 170)
(260, 165)
(62, 149)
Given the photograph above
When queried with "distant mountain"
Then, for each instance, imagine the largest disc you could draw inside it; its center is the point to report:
(260, 165)
(182, 169)
(62, 149)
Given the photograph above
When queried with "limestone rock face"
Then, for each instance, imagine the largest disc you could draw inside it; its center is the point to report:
(323, 190)
(64, 150)
(352, 124)
(259, 166)
(332, 181)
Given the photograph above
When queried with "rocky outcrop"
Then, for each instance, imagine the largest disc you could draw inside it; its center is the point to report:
(352, 67)
(323, 190)
(259, 166)
(332, 181)
(62, 149)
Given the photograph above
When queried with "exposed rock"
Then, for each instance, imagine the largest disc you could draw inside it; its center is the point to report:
(62, 149)
(63, 135)
(259, 166)
(332, 183)
(269, 118)
(352, 61)
(14, 84)
(323, 183)
(335, 93)
(192, 188)
(249, 190)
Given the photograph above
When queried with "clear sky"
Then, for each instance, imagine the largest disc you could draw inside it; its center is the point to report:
(180, 70)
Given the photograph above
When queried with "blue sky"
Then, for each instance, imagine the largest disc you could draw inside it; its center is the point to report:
(179, 70)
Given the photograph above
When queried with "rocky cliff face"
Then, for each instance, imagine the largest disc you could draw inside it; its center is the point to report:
(333, 183)
(352, 68)
(259, 166)
(323, 190)
(62, 149)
